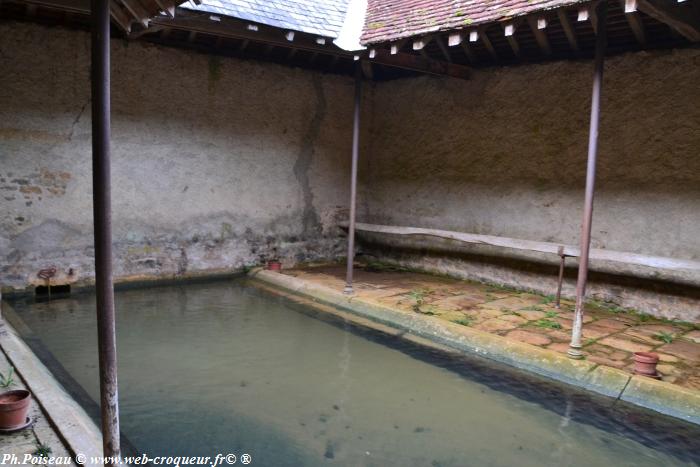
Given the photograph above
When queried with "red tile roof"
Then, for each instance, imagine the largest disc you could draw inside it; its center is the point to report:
(389, 20)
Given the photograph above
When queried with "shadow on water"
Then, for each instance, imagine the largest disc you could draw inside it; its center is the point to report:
(676, 437)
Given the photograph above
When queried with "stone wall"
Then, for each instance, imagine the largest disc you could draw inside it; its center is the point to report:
(505, 154)
(220, 163)
(216, 162)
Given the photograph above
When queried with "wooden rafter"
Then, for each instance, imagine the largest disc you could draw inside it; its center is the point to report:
(443, 48)
(367, 69)
(682, 17)
(168, 8)
(635, 23)
(422, 64)
(137, 11)
(468, 52)
(509, 32)
(538, 27)
(568, 29)
(459, 38)
(487, 43)
(232, 28)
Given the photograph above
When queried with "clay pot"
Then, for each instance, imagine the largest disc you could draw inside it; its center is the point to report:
(14, 406)
(274, 266)
(645, 364)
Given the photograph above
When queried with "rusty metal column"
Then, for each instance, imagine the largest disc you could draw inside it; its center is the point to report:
(353, 181)
(601, 42)
(102, 217)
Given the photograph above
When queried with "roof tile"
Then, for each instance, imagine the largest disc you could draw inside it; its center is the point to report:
(322, 17)
(389, 20)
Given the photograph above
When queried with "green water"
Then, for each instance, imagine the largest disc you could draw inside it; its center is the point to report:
(225, 368)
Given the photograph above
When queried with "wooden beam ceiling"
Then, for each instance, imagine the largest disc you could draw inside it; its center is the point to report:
(683, 17)
(558, 34)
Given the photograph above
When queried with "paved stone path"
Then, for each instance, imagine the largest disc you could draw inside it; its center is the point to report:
(40, 434)
(610, 335)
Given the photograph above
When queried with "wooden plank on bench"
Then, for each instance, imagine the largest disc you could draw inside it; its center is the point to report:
(541, 247)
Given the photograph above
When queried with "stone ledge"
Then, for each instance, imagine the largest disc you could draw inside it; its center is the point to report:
(73, 425)
(659, 396)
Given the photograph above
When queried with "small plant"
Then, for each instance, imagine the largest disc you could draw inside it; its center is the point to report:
(466, 321)
(548, 299)
(547, 324)
(589, 341)
(418, 295)
(508, 311)
(533, 308)
(7, 380)
(664, 337)
(499, 288)
(42, 450)
(551, 314)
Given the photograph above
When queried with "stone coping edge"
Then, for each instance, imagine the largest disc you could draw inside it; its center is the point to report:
(73, 425)
(663, 397)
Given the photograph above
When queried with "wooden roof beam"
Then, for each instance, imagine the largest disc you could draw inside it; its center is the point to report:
(471, 56)
(586, 13)
(458, 38)
(487, 43)
(167, 7)
(443, 49)
(233, 29)
(395, 47)
(634, 20)
(421, 42)
(421, 64)
(568, 29)
(137, 11)
(682, 17)
(509, 32)
(367, 69)
(538, 26)
(120, 17)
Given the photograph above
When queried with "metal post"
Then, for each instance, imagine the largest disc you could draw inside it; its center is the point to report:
(601, 41)
(102, 217)
(562, 263)
(353, 181)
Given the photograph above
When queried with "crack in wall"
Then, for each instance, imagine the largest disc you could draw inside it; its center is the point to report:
(77, 119)
(311, 224)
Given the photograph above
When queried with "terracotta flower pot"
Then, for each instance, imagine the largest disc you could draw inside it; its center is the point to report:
(14, 406)
(645, 364)
(274, 266)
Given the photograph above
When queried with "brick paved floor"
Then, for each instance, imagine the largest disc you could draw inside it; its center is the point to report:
(610, 334)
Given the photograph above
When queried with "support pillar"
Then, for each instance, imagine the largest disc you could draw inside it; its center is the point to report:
(562, 264)
(353, 182)
(601, 42)
(102, 217)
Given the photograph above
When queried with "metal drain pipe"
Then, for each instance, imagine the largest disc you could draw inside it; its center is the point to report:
(102, 218)
(600, 44)
(353, 181)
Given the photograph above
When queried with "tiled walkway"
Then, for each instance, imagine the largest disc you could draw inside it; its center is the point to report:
(610, 335)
